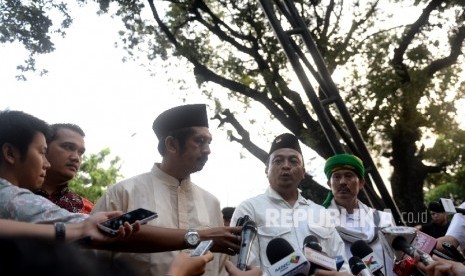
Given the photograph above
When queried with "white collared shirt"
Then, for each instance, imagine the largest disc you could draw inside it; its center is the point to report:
(274, 218)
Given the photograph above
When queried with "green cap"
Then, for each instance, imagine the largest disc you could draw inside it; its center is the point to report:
(344, 161)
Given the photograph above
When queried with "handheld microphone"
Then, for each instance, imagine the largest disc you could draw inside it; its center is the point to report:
(249, 231)
(400, 244)
(362, 250)
(312, 242)
(317, 259)
(242, 220)
(427, 244)
(453, 252)
(284, 259)
(388, 234)
(358, 267)
(405, 267)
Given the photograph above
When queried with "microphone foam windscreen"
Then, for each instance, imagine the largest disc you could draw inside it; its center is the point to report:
(360, 249)
(312, 242)
(399, 242)
(310, 239)
(278, 249)
(356, 265)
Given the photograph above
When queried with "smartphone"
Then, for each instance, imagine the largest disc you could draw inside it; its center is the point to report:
(202, 248)
(112, 225)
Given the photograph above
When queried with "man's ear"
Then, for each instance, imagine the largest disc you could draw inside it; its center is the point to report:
(9, 153)
(362, 183)
(328, 183)
(171, 144)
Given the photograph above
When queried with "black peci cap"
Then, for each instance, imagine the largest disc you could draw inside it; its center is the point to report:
(192, 115)
(285, 140)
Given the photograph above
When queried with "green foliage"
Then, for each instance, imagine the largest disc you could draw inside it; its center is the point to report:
(93, 179)
(448, 190)
(30, 23)
(400, 80)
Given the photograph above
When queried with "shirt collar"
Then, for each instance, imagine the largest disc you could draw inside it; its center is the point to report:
(270, 192)
(168, 179)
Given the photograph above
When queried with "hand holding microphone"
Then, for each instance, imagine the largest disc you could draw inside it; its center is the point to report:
(234, 271)
(400, 244)
(439, 266)
(249, 231)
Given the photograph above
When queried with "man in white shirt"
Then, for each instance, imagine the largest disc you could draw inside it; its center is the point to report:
(356, 221)
(282, 211)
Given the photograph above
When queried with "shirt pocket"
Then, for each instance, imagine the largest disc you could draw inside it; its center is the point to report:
(320, 232)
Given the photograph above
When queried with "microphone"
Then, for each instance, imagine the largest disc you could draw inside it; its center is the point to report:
(362, 250)
(388, 234)
(405, 267)
(427, 244)
(453, 252)
(358, 267)
(312, 242)
(249, 231)
(400, 244)
(317, 259)
(284, 259)
(242, 220)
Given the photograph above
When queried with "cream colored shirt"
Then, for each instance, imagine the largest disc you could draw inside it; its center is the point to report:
(274, 218)
(178, 205)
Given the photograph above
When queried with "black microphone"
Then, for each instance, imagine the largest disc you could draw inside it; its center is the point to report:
(453, 252)
(312, 242)
(242, 220)
(358, 267)
(400, 244)
(249, 231)
(363, 251)
(317, 258)
(284, 259)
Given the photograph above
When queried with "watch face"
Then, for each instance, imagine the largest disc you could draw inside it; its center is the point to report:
(193, 239)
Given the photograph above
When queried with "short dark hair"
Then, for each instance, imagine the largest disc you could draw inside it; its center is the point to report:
(180, 135)
(19, 128)
(55, 127)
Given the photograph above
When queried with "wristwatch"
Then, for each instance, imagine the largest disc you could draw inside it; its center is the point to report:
(192, 238)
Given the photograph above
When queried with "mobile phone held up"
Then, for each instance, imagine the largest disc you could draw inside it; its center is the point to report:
(202, 248)
(112, 225)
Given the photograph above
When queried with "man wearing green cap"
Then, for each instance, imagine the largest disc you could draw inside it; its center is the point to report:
(282, 212)
(355, 220)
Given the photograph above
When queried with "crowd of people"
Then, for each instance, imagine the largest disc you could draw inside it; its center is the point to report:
(39, 213)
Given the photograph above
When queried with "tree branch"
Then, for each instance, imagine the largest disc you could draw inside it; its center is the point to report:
(397, 60)
(455, 51)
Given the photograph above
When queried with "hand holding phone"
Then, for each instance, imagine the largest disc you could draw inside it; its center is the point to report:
(112, 225)
(202, 248)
